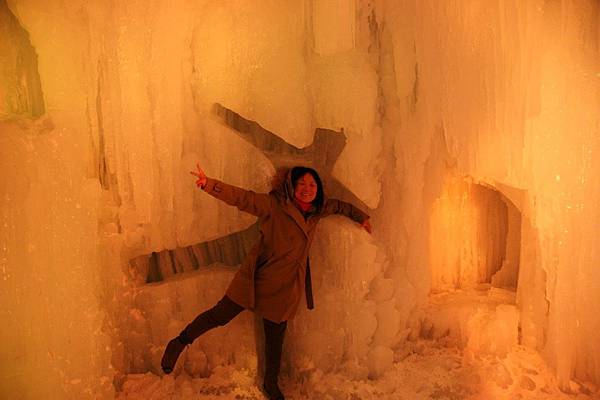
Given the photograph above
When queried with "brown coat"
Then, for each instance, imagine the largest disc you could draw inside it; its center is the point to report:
(272, 279)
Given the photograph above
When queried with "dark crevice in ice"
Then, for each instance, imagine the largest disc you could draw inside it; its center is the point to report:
(322, 154)
(108, 179)
(415, 90)
(103, 173)
(227, 250)
(374, 33)
(19, 75)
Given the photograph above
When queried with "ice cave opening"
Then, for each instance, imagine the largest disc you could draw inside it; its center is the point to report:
(475, 246)
(475, 237)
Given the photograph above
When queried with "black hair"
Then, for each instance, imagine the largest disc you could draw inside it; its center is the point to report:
(298, 172)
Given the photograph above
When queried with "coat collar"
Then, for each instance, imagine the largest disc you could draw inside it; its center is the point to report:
(297, 216)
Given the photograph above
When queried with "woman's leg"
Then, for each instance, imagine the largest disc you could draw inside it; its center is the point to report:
(274, 334)
(219, 315)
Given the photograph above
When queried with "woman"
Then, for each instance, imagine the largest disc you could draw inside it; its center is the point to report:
(276, 273)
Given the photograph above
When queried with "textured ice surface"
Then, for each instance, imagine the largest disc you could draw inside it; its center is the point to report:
(238, 64)
(482, 321)
(160, 311)
(21, 94)
(509, 96)
(432, 370)
(471, 354)
(477, 93)
(331, 334)
(505, 93)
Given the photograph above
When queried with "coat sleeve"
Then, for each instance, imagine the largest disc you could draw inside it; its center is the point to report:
(335, 206)
(258, 204)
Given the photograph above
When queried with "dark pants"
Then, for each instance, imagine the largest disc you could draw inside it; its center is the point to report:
(219, 315)
(225, 311)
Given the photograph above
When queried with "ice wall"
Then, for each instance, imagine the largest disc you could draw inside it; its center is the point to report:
(129, 89)
(510, 92)
(21, 94)
(505, 93)
(305, 79)
(52, 308)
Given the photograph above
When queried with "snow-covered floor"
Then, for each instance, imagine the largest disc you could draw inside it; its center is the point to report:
(433, 369)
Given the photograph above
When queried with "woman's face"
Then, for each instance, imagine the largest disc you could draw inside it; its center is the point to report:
(306, 188)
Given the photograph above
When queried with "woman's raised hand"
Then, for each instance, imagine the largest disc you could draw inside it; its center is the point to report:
(201, 181)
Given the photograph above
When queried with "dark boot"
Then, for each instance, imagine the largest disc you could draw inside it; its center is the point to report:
(172, 352)
(219, 315)
(274, 334)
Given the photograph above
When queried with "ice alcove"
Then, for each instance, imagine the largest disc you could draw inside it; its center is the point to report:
(475, 245)
(475, 236)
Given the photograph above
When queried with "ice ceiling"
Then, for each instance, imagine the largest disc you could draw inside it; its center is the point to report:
(472, 135)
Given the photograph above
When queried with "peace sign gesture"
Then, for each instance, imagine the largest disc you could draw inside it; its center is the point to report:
(201, 181)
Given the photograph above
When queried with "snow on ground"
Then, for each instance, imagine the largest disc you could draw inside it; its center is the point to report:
(431, 369)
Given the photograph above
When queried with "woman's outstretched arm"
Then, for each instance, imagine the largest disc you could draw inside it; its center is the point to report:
(335, 206)
(258, 204)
